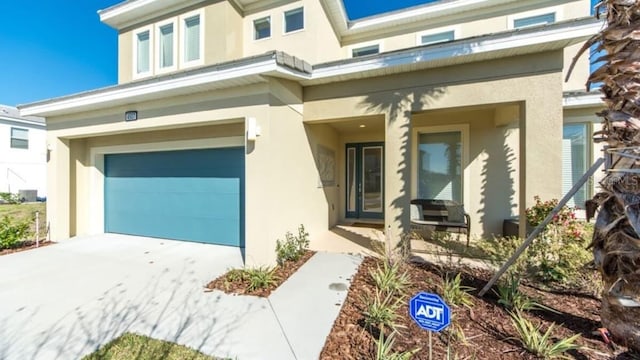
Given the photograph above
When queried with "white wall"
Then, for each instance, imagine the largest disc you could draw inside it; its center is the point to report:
(23, 169)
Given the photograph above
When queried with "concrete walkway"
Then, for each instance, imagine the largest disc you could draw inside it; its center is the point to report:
(64, 301)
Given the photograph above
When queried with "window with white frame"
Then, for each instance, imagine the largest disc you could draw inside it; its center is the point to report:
(366, 50)
(293, 20)
(440, 166)
(575, 161)
(142, 52)
(19, 138)
(428, 39)
(166, 46)
(192, 38)
(262, 28)
(534, 20)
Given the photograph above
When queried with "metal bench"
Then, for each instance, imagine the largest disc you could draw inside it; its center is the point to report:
(440, 215)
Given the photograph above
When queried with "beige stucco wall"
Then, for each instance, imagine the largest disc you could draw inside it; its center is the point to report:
(315, 44)
(223, 33)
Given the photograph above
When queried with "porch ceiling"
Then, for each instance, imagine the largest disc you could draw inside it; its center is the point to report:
(356, 125)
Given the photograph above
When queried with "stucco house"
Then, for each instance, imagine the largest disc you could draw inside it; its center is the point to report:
(234, 121)
(23, 154)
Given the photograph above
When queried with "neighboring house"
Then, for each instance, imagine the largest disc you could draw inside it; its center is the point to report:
(23, 154)
(234, 121)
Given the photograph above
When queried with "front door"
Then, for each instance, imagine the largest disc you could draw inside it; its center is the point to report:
(365, 180)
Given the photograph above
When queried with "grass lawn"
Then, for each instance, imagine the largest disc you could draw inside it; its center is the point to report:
(27, 212)
(132, 346)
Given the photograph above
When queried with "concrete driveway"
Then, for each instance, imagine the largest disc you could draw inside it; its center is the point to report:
(65, 300)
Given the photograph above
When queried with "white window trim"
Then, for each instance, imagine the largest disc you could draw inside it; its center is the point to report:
(96, 180)
(134, 67)
(253, 28)
(362, 45)
(284, 20)
(456, 33)
(466, 169)
(183, 41)
(176, 39)
(557, 10)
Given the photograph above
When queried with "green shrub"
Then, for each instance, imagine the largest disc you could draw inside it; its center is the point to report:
(10, 198)
(512, 298)
(259, 278)
(293, 247)
(456, 294)
(540, 344)
(389, 279)
(12, 234)
(381, 310)
(384, 349)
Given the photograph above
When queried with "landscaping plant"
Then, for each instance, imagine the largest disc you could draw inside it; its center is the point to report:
(10, 198)
(293, 247)
(384, 349)
(389, 278)
(381, 310)
(259, 277)
(456, 294)
(539, 343)
(12, 233)
(510, 296)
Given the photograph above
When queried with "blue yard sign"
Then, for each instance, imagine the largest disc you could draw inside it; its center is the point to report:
(429, 311)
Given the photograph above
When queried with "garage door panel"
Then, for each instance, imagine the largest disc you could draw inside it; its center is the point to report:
(194, 195)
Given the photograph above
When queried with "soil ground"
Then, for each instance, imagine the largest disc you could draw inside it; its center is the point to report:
(487, 327)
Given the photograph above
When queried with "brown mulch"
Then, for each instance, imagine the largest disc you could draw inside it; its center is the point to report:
(487, 327)
(26, 245)
(281, 274)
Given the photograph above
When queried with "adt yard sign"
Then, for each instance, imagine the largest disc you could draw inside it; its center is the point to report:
(430, 312)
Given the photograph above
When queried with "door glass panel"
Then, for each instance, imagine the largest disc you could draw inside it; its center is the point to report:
(351, 179)
(439, 166)
(574, 161)
(372, 179)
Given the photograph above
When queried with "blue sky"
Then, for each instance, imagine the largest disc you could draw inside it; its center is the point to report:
(55, 48)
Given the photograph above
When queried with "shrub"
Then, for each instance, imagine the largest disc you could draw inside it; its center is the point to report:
(384, 349)
(259, 278)
(10, 198)
(456, 294)
(540, 344)
(381, 311)
(293, 247)
(12, 234)
(389, 279)
(512, 298)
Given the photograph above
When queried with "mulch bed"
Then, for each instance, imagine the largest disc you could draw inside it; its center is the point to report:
(26, 245)
(281, 273)
(487, 326)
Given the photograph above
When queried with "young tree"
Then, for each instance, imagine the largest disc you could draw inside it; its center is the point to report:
(616, 239)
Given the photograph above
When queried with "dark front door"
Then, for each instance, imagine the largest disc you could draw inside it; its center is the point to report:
(365, 180)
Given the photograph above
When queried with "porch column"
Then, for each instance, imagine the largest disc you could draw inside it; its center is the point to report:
(540, 149)
(58, 187)
(397, 174)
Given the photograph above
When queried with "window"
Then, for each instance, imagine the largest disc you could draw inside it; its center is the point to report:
(262, 28)
(575, 161)
(143, 52)
(293, 20)
(166, 46)
(366, 50)
(534, 20)
(191, 38)
(428, 39)
(440, 166)
(19, 138)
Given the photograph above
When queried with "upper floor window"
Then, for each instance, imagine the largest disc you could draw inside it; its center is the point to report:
(293, 20)
(444, 36)
(365, 50)
(142, 52)
(166, 46)
(534, 20)
(19, 138)
(262, 28)
(192, 38)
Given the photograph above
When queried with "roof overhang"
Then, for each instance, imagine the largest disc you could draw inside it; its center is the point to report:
(582, 99)
(277, 64)
(131, 12)
(242, 72)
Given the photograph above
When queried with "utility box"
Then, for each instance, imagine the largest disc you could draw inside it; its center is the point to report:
(28, 195)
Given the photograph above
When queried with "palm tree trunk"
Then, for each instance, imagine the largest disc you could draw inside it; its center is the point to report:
(616, 239)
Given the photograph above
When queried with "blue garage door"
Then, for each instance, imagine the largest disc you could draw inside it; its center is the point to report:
(192, 195)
